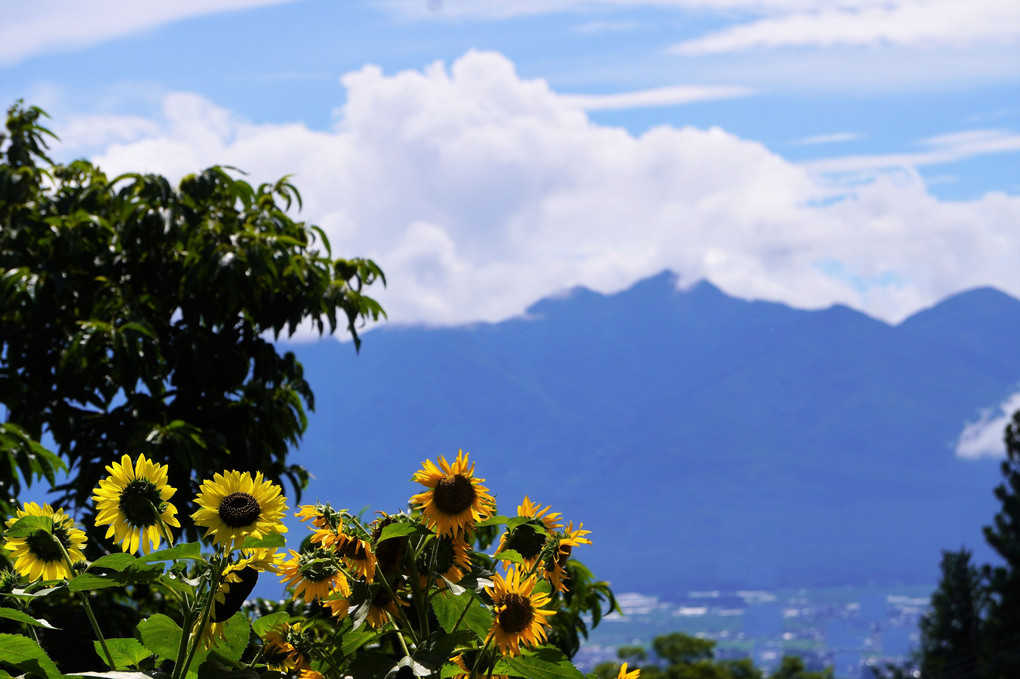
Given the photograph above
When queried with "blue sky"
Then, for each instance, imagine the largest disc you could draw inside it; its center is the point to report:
(490, 153)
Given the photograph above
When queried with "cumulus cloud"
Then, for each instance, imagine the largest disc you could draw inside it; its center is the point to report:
(31, 28)
(984, 437)
(480, 192)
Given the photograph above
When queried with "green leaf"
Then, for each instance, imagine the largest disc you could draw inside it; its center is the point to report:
(126, 652)
(161, 635)
(400, 529)
(543, 665)
(14, 614)
(27, 525)
(271, 541)
(448, 609)
(127, 569)
(268, 622)
(511, 555)
(492, 521)
(355, 639)
(27, 656)
(185, 550)
(236, 632)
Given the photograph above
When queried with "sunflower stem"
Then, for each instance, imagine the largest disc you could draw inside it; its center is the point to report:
(478, 659)
(203, 620)
(396, 602)
(86, 605)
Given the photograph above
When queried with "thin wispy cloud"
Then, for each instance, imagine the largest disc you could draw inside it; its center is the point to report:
(659, 96)
(602, 27)
(31, 28)
(833, 138)
(915, 23)
(942, 149)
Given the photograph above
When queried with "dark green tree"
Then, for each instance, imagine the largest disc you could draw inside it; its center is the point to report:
(951, 629)
(1001, 642)
(681, 649)
(139, 317)
(793, 667)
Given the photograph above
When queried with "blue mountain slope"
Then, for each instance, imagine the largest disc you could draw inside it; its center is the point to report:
(707, 441)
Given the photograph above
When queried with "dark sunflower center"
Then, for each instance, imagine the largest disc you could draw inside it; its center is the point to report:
(517, 613)
(563, 555)
(381, 598)
(239, 509)
(43, 548)
(525, 540)
(354, 549)
(454, 494)
(139, 502)
(444, 556)
(235, 595)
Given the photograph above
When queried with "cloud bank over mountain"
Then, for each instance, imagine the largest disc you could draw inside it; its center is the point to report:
(480, 191)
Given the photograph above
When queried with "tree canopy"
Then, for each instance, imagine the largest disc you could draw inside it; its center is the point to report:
(139, 317)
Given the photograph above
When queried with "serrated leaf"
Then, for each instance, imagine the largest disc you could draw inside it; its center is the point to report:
(27, 656)
(126, 651)
(268, 622)
(511, 555)
(449, 608)
(161, 635)
(236, 632)
(542, 663)
(27, 525)
(126, 570)
(20, 616)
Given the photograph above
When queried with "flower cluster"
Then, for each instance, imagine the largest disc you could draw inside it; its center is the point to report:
(406, 586)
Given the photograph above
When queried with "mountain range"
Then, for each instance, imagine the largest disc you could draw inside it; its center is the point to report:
(707, 442)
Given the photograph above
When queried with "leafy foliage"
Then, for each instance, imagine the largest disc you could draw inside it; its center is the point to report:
(137, 316)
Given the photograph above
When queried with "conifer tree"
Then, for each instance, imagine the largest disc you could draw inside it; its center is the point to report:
(1002, 628)
(951, 630)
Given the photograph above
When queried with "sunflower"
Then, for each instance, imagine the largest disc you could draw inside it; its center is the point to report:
(337, 603)
(388, 553)
(36, 555)
(383, 607)
(556, 566)
(527, 539)
(239, 579)
(280, 651)
(624, 674)
(133, 500)
(309, 674)
(452, 560)
(455, 499)
(314, 575)
(326, 520)
(519, 617)
(357, 555)
(234, 507)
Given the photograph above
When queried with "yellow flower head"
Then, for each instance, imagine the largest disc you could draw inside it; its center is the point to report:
(234, 507)
(337, 604)
(556, 566)
(327, 523)
(314, 575)
(282, 648)
(37, 556)
(624, 674)
(132, 500)
(452, 560)
(455, 499)
(383, 607)
(520, 618)
(460, 662)
(239, 580)
(527, 539)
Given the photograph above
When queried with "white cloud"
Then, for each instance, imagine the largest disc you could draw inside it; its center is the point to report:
(939, 150)
(984, 438)
(659, 96)
(602, 27)
(833, 138)
(40, 26)
(918, 23)
(479, 192)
